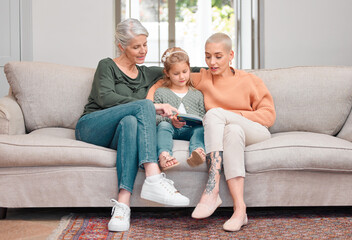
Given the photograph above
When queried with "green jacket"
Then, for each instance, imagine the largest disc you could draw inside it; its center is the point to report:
(193, 101)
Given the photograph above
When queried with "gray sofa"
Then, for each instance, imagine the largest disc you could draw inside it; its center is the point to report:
(307, 162)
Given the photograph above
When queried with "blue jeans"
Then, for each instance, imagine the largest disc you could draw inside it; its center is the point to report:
(128, 128)
(167, 132)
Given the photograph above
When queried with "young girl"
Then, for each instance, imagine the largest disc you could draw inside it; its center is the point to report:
(179, 93)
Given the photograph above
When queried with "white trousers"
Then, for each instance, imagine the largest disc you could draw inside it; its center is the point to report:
(231, 133)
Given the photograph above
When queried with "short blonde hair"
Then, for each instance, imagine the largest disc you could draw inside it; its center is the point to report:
(220, 38)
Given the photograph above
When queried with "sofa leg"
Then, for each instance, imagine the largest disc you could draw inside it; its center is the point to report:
(3, 212)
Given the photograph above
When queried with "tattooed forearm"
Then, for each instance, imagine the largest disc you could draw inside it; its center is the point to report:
(214, 162)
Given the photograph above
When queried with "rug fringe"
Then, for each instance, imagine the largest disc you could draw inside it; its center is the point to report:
(65, 220)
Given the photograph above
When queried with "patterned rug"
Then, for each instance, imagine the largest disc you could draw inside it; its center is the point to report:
(264, 223)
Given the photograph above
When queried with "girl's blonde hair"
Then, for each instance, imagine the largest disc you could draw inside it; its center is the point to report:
(172, 56)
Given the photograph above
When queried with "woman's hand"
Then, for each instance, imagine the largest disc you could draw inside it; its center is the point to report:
(177, 123)
(165, 109)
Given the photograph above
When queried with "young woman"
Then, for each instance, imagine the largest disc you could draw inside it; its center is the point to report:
(118, 116)
(179, 93)
(239, 111)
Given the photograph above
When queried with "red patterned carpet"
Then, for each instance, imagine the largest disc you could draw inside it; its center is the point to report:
(264, 223)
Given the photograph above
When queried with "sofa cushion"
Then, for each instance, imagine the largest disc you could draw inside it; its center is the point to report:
(285, 151)
(299, 151)
(50, 95)
(346, 131)
(313, 99)
(43, 149)
(56, 132)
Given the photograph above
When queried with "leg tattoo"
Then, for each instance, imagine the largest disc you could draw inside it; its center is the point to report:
(214, 162)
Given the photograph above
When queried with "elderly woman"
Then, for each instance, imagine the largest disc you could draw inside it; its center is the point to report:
(118, 116)
(239, 111)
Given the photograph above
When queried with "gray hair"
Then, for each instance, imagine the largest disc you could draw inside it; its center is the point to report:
(127, 30)
(220, 37)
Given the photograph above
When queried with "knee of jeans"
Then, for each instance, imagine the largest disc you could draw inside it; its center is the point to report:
(129, 122)
(165, 126)
(148, 108)
(146, 103)
(199, 129)
(234, 131)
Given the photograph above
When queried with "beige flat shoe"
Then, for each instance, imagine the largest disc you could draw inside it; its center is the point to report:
(197, 158)
(235, 224)
(203, 210)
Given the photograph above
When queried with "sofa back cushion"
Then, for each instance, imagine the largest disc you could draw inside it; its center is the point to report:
(50, 95)
(314, 99)
(346, 131)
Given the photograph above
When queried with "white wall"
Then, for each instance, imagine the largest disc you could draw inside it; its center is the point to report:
(77, 33)
(305, 32)
(293, 33)
(9, 38)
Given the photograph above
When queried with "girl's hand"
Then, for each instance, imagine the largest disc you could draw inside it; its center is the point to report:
(176, 123)
(165, 109)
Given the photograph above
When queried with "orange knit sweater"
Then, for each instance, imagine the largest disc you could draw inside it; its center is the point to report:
(243, 93)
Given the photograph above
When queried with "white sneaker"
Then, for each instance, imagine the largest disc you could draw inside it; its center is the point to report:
(164, 192)
(120, 220)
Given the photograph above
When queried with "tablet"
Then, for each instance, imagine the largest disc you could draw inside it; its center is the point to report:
(190, 119)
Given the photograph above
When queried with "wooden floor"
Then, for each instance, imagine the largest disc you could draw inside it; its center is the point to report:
(35, 223)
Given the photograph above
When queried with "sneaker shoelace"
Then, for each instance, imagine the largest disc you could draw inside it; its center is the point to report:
(169, 185)
(118, 210)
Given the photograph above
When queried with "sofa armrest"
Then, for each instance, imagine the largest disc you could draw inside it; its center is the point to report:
(346, 131)
(11, 117)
